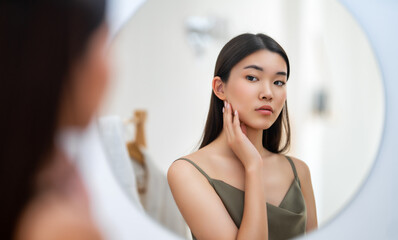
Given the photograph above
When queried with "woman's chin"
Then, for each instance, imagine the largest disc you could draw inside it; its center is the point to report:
(258, 126)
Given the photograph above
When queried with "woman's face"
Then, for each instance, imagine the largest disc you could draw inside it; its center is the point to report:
(89, 81)
(257, 88)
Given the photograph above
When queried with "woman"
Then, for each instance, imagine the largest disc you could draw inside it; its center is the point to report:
(53, 74)
(239, 185)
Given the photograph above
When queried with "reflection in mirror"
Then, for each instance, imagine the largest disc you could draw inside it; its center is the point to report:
(164, 61)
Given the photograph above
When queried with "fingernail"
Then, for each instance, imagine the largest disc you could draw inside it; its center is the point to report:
(225, 103)
(236, 112)
(223, 109)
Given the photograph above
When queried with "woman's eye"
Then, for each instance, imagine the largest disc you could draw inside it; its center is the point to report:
(279, 83)
(251, 78)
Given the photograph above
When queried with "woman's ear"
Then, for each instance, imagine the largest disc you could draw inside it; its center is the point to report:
(218, 88)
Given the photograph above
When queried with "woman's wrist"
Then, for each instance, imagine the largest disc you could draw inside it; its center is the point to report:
(254, 166)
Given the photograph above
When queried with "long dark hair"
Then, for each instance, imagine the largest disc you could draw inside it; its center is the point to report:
(40, 40)
(232, 53)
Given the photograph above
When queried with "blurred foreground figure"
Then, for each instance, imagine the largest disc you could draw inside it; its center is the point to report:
(53, 75)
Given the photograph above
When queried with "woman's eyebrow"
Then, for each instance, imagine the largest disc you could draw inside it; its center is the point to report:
(254, 67)
(261, 69)
(281, 73)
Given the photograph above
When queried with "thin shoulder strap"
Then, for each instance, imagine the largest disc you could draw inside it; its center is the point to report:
(294, 168)
(197, 167)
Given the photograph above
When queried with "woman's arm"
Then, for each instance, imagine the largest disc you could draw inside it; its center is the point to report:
(199, 204)
(202, 208)
(254, 223)
(308, 193)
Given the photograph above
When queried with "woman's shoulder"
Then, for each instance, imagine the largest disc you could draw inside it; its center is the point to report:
(183, 165)
(199, 158)
(302, 168)
(180, 168)
(187, 167)
(51, 217)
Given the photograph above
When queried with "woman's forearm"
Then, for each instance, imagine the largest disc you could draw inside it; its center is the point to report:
(254, 223)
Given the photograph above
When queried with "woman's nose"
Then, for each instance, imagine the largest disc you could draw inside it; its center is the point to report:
(266, 92)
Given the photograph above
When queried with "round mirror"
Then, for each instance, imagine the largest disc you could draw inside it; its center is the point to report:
(163, 61)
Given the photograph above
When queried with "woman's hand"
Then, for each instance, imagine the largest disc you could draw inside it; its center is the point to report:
(237, 139)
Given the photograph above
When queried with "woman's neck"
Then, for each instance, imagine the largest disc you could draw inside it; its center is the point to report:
(54, 172)
(255, 136)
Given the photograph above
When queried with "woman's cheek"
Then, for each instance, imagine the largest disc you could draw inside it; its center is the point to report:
(241, 99)
(282, 99)
(240, 94)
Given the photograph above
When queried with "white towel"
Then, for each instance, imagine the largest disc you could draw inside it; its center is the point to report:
(112, 136)
(158, 200)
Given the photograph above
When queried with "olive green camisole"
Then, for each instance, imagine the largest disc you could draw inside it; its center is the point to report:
(285, 221)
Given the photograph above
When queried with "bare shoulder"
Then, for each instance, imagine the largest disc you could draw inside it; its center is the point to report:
(182, 169)
(54, 218)
(303, 170)
(179, 169)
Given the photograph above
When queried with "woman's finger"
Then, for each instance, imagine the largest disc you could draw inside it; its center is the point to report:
(236, 122)
(229, 120)
(225, 121)
(243, 127)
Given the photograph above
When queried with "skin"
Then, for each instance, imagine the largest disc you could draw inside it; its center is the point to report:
(238, 157)
(53, 215)
(89, 80)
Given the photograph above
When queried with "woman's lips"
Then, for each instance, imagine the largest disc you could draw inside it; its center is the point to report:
(265, 110)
